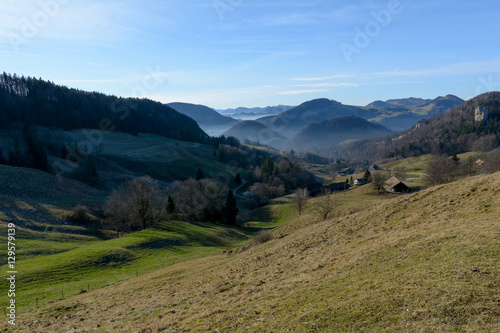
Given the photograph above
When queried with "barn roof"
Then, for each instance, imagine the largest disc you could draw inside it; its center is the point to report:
(314, 186)
(393, 182)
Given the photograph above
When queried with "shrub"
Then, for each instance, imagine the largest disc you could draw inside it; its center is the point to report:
(80, 215)
(262, 237)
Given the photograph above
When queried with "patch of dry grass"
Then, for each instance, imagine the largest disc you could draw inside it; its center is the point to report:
(425, 262)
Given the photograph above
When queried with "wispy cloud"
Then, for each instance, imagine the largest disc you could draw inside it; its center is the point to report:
(324, 78)
(300, 92)
(327, 85)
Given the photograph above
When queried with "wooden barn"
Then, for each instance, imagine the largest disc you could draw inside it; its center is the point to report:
(394, 185)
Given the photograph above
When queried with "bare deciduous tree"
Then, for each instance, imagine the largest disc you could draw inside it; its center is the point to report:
(299, 200)
(469, 167)
(136, 205)
(325, 204)
(442, 170)
(400, 173)
(493, 161)
(378, 181)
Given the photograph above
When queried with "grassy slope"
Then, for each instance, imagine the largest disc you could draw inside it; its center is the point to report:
(423, 262)
(157, 156)
(82, 263)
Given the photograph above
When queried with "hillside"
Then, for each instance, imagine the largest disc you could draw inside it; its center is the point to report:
(427, 262)
(41, 187)
(35, 102)
(333, 132)
(401, 114)
(471, 126)
(292, 121)
(255, 131)
(209, 120)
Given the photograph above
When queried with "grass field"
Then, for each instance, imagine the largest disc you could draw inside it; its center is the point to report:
(423, 262)
(160, 157)
(75, 264)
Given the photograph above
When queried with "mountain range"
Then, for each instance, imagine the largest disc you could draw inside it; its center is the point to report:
(393, 115)
(471, 126)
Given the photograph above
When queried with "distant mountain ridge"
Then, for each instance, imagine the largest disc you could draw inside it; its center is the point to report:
(268, 110)
(333, 132)
(209, 120)
(296, 119)
(413, 102)
(395, 117)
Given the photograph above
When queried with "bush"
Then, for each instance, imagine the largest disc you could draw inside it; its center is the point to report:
(80, 215)
(262, 237)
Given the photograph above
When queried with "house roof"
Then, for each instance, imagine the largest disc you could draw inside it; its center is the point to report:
(314, 186)
(393, 182)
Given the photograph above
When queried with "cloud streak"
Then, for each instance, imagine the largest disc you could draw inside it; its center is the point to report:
(300, 92)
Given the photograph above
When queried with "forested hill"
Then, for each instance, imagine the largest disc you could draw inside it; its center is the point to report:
(471, 126)
(37, 102)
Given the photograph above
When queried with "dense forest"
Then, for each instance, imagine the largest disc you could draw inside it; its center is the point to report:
(31, 101)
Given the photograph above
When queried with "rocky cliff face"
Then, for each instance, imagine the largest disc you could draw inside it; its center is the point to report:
(481, 114)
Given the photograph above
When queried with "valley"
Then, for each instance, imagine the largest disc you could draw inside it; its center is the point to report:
(158, 226)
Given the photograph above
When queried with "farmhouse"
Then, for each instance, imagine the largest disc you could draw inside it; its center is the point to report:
(315, 189)
(346, 171)
(394, 185)
(359, 182)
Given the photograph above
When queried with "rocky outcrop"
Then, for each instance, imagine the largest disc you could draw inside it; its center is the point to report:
(481, 114)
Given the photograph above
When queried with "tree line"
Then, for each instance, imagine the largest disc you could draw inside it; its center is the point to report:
(140, 203)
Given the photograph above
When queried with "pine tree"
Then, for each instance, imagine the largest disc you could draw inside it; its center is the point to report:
(2, 159)
(230, 209)
(91, 170)
(237, 179)
(266, 169)
(170, 205)
(199, 174)
(222, 158)
(367, 177)
(16, 157)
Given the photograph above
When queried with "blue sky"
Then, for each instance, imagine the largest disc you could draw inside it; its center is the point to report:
(230, 53)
